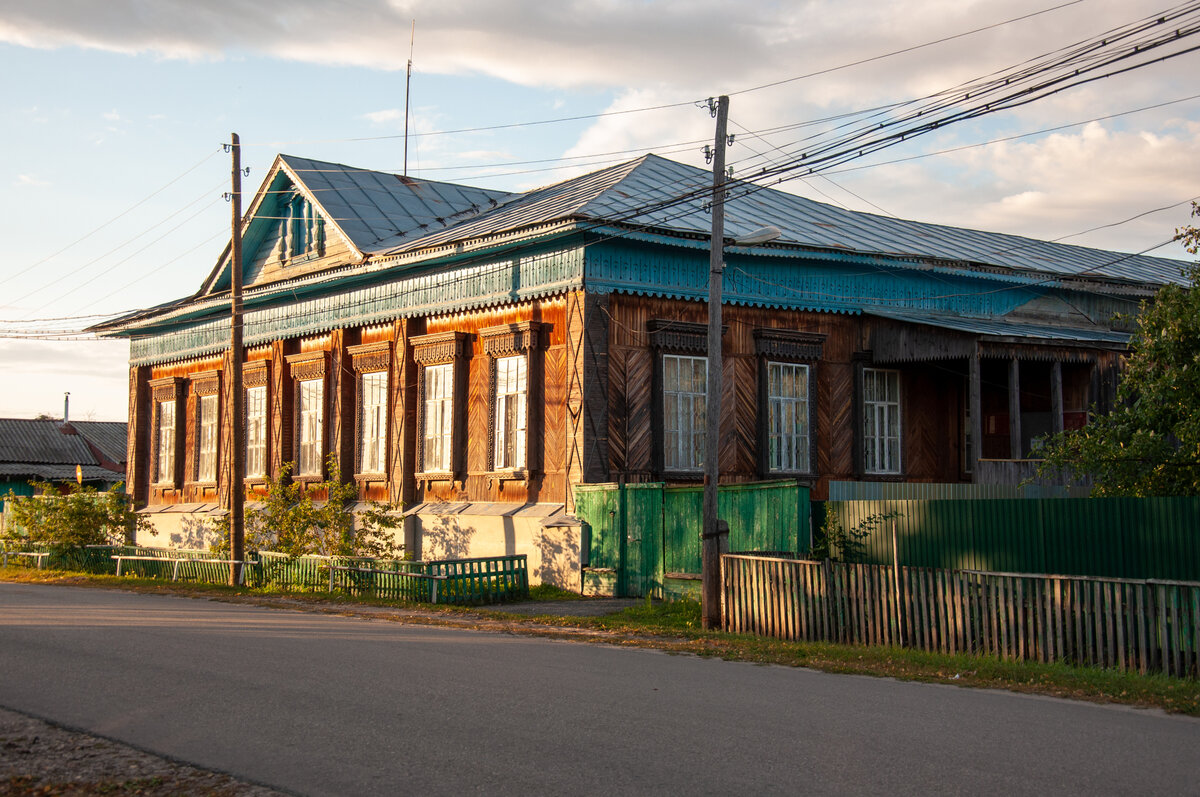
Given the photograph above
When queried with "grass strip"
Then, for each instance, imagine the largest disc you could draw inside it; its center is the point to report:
(676, 628)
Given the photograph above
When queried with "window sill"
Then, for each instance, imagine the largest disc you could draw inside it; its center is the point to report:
(434, 476)
(200, 484)
(370, 477)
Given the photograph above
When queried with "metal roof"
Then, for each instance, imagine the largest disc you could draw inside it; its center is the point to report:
(29, 470)
(378, 210)
(1002, 328)
(645, 193)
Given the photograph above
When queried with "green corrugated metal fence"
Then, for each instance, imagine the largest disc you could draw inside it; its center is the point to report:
(644, 539)
(1141, 538)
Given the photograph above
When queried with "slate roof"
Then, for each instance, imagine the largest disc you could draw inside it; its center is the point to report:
(41, 449)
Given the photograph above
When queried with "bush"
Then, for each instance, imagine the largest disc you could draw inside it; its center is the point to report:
(74, 518)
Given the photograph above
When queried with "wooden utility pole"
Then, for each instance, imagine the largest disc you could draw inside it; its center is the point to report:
(710, 543)
(237, 396)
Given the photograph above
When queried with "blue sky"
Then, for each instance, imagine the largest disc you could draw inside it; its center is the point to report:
(116, 113)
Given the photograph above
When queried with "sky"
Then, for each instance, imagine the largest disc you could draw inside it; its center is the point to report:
(113, 175)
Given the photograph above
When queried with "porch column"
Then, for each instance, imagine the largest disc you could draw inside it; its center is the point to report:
(976, 404)
(1056, 397)
(1014, 409)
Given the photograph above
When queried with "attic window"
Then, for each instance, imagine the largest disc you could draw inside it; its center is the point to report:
(301, 229)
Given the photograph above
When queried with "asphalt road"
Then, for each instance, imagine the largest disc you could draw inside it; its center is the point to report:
(317, 704)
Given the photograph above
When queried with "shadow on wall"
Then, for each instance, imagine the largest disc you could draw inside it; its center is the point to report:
(558, 550)
(196, 533)
(444, 537)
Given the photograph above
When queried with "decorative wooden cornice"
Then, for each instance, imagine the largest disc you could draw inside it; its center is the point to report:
(206, 383)
(682, 336)
(308, 365)
(370, 356)
(510, 339)
(439, 347)
(788, 344)
(166, 388)
(255, 373)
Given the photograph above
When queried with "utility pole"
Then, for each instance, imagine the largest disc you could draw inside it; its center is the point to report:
(237, 397)
(407, 85)
(710, 543)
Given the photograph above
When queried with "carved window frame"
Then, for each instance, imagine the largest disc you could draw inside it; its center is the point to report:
(371, 358)
(206, 385)
(790, 347)
(309, 366)
(257, 374)
(442, 348)
(521, 339)
(678, 338)
(162, 391)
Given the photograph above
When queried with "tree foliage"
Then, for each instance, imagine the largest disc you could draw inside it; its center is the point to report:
(76, 516)
(291, 521)
(1150, 443)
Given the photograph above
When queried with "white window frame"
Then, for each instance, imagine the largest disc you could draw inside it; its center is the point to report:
(789, 432)
(511, 400)
(683, 430)
(310, 426)
(164, 472)
(437, 407)
(881, 421)
(207, 423)
(373, 421)
(256, 431)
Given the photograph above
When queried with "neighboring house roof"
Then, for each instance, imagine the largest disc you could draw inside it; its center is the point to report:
(51, 450)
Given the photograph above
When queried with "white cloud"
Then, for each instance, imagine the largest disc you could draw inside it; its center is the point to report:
(111, 116)
(385, 116)
(30, 181)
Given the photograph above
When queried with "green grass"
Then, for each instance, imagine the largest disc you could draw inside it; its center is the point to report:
(676, 627)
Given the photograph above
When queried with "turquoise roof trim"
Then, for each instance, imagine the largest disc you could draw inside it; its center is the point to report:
(496, 282)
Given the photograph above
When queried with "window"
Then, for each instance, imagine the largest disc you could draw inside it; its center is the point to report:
(165, 471)
(439, 417)
(788, 414)
(881, 420)
(685, 383)
(311, 418)
(256, 431)
(511, 401)
(206, 454)
(372, 452)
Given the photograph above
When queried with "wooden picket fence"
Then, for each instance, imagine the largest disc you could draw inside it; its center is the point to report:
(1148, 626)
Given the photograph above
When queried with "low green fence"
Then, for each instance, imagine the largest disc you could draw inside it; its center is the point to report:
(1139, 538)
(456, 581)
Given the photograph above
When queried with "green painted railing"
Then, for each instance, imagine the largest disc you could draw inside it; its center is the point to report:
(456, 581)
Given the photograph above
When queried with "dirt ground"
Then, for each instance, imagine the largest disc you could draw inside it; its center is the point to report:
(37, 758)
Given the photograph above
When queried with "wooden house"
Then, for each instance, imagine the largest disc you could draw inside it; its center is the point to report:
(475, 354)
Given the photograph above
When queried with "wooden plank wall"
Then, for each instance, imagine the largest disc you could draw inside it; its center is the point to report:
(1147, 626)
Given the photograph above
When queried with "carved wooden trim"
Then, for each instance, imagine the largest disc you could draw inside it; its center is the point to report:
(788, 344)
(165, 389)
(507, 340)
(308, 365)
(370, 356)
(255, 374)
(440, 347)
(684, 337)
(206, 383)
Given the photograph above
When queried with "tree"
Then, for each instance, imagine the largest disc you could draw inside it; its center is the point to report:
(291, 522)
(1150, 443)
(78, 517)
